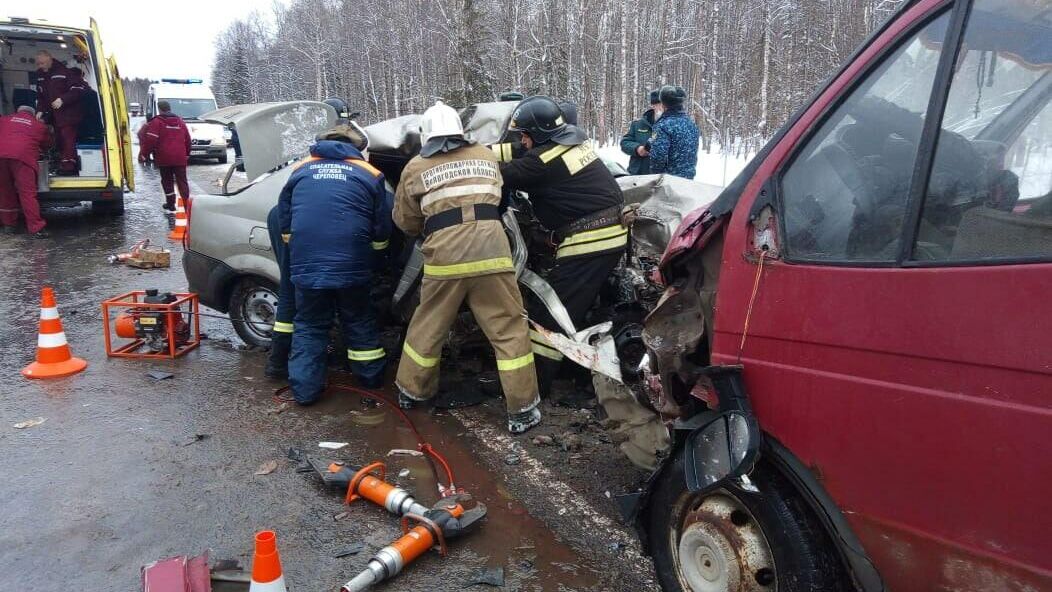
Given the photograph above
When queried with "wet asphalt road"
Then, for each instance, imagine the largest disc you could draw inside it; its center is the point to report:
(116, 477)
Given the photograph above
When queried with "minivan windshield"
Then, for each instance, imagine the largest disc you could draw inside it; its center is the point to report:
(191, 108)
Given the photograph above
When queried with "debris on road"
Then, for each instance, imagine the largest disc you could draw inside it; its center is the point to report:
(332, 445)
(403, 473)
(490, 576)
(404, 452)
(512, 459)
(29, 423)
(352, 549)
(177, 574)
(267, 468)
(543, 441)
(195, 438)
(281, 408)
(160, 375)
(340, 516)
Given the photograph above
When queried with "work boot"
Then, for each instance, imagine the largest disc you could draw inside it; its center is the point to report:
(407, 402)
(41, 234)
(168, 207)
(522, 421)
(278, 359)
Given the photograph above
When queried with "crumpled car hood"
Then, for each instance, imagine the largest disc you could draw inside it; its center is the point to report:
(272, 134)
(664, 202)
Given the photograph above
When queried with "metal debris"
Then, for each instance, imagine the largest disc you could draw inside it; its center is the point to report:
(159, 374)
(512, 459)
(490, 576)
(352, 549)
(404, 452)
(332, 445)
(29, 423)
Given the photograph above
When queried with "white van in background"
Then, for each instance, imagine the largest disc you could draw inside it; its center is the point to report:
(189, 99)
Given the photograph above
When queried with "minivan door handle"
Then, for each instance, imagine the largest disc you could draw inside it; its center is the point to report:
(259, 238)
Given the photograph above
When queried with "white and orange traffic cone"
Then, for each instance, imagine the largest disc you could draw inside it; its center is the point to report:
(179, 231)
(266, 565)
(54, 359)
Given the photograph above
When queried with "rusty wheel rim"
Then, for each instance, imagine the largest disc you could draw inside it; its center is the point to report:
(718, 546)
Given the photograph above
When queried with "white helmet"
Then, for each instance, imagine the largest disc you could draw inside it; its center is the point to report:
(439, 121)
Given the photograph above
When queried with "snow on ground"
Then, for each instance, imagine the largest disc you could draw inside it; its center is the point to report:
(714, 168)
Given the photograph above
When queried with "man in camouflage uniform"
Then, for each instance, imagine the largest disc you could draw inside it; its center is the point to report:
(674, 143)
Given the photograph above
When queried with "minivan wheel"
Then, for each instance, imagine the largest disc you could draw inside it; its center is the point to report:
(253, 305)
(731, 540)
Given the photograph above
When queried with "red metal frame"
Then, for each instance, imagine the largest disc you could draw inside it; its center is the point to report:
(134, 299)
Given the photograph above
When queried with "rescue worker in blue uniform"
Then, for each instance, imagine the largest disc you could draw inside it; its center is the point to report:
(337, 213)
(634, 142)
(281, 332)
(578, 200)
(674, 143)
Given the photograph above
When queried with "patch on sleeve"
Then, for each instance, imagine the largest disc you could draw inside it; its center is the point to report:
(461, 169)
(579, 157)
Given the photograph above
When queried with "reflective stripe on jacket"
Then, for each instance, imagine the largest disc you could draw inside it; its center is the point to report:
(460, 179)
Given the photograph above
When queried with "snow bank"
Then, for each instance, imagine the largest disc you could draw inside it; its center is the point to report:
(714, 168)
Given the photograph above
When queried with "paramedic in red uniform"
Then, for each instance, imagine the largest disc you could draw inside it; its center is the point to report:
(22, 138)
(168, 141)
(59, 90)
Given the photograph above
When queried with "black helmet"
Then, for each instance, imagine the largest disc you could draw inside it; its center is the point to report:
(672, 96)
(339, 105)
(540, 117)
(569, 112)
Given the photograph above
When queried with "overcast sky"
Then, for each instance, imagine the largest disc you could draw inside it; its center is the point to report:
(150, 39)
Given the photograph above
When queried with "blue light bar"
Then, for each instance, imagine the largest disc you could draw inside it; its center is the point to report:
(182, 80)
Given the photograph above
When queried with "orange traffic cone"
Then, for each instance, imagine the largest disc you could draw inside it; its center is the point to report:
(179, 231)
(266, 566)
(53, 357)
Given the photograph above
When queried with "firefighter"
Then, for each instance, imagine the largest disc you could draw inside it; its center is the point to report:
(167, 140)
(450, 194)
(22, 139)
(336, 213)
(59, 92)
(576, 198)
(281, 332)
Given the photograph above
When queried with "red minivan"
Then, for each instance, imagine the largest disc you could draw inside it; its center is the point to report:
(855, 342)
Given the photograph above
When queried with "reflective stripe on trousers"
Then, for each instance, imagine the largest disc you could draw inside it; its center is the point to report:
(593, 241)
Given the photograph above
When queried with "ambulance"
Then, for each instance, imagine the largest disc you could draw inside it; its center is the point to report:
(189, 98)
(104, 154)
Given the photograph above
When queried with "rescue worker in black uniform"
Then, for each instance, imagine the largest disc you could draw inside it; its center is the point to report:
(575, 197)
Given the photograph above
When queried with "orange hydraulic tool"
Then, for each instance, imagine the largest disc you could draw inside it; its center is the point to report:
(447, 520)
(368, 485)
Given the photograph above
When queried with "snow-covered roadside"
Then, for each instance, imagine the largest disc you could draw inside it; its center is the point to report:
(714, 168)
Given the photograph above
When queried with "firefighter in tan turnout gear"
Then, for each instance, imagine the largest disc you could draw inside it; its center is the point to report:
(451, 195)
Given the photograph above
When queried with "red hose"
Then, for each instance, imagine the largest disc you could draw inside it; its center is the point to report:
(422, 445)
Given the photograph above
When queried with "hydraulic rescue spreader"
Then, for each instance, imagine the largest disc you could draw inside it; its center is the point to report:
(446, 520)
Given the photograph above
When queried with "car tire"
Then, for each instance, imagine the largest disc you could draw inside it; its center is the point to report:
(222, 159)
(113, 207)
(252, 306)
(734, 540)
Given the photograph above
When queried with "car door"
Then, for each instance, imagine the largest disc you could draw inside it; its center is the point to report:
(123, 128)
(885, 285)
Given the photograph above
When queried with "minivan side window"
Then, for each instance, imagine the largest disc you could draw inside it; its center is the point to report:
(843, 197)
(989, 195)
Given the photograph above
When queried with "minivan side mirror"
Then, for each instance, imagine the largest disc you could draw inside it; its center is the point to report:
(724, 448)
